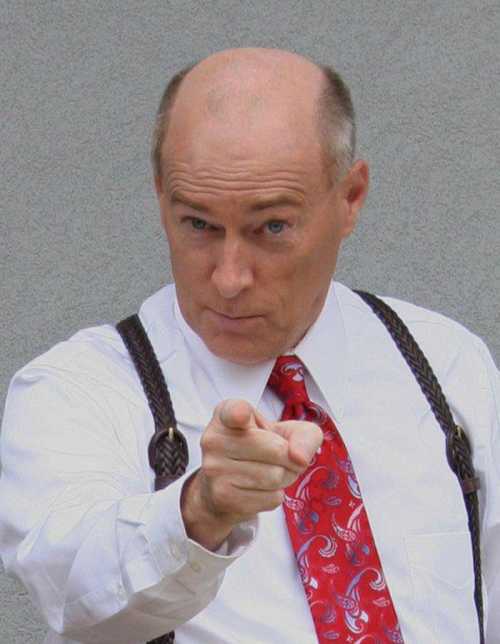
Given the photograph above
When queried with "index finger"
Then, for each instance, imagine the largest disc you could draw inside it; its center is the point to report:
(236, 414)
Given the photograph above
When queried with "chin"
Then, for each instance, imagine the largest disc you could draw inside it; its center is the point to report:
(243, 355)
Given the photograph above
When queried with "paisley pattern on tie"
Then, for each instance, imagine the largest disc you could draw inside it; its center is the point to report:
(329, 530)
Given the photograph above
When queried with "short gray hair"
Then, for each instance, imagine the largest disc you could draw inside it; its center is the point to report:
(163, 116)
(336, 120)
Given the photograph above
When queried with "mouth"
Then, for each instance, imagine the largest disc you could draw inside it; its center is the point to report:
(233, 322)
(236, 317)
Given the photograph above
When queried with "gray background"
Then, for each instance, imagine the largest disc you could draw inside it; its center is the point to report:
(81, 238)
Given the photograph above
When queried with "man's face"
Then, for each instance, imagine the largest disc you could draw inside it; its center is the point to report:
(254, 227)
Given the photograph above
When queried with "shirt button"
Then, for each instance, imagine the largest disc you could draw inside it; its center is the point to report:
(195, 566)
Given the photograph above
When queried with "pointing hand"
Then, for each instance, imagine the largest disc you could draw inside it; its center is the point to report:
(247, 461)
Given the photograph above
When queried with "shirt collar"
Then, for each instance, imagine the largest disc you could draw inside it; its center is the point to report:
(230, 380)
(323, 350)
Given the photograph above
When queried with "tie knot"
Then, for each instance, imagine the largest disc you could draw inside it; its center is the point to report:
(287, 380)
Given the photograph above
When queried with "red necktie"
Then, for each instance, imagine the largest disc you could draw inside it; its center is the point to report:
(329, 530)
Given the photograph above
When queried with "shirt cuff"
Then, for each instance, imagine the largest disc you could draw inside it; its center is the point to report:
(176, 554)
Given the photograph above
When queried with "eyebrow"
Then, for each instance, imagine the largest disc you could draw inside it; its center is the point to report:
(177, 197)
(277, 201)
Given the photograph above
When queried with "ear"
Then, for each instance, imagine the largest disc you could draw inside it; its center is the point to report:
(158, 186)
(354, 188)
(162, 201)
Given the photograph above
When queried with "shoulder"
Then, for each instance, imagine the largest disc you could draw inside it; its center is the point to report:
(437, 334)
(98, 354)
(460, 359)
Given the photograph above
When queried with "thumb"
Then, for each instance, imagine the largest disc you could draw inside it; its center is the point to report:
(304, 439)
(236, 414)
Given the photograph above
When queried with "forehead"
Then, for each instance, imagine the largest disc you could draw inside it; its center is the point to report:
(273, 147)
(205, 163)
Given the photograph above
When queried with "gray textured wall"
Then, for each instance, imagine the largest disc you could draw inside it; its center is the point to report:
(80, 81)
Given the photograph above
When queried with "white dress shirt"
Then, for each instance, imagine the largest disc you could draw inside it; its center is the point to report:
(107, 560)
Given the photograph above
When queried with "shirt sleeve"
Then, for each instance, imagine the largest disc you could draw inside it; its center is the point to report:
(103, 557)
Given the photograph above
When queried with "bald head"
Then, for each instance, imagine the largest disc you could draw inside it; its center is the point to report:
(242, 82)
(237, 88)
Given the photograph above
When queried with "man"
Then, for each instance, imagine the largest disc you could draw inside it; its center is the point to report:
(257, 187)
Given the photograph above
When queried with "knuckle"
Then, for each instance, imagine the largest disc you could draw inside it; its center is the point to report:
(279, 450)
(220, 410)
(208, 441)
(222, 497)
(211, 466)
(212, 490)
(276, 475)
(290, 477)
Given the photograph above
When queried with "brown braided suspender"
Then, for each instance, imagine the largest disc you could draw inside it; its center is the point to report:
(168, 452)
(458, 449)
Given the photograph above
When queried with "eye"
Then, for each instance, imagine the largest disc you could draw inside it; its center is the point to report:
(198, 224)
(275, 227)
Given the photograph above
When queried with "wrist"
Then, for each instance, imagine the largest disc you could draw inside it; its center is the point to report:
(202, 525)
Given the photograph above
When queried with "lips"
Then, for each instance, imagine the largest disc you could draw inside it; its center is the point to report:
(234, 323)
(232, 316)
(237, 317)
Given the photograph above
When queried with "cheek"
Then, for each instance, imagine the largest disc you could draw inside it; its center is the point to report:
(323, 253)
(284, 285)
(190, 273)
(187, 260)
(310, 273)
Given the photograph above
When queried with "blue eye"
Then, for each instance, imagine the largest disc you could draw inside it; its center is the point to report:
(275, 227)
(198, 224)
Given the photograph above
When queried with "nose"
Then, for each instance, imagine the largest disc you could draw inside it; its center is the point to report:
(232, 273)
